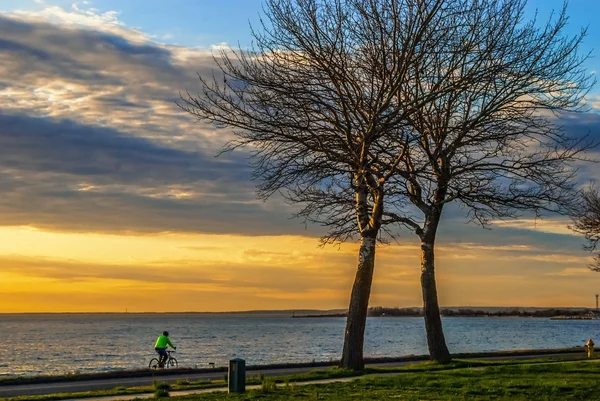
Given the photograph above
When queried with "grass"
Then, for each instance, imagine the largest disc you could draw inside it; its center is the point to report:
(268, 385)
(191, 385)
(501, 382)
(416, 371)
(251, 379)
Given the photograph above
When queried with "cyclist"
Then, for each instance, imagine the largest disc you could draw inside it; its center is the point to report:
(161, 348)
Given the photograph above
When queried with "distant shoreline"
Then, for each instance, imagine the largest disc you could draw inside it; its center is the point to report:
(468, 316)
(553, 313)
(494, 311)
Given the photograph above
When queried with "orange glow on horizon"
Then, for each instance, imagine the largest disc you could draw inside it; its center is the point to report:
(46, 271)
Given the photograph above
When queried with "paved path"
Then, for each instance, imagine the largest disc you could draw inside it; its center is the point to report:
(107, 384)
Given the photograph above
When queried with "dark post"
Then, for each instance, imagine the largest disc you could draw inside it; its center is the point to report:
(236, 376)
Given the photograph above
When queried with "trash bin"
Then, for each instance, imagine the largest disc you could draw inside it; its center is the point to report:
(236, 376)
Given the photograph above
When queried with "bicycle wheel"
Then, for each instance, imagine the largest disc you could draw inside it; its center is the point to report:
(153, 363)
(172, 363)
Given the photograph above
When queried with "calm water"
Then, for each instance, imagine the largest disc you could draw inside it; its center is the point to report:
(55, 344)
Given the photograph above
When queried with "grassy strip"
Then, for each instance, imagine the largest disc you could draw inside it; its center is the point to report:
(517, 382)
(251, 379)
(330, 373)
(180, 385)
(466, 363)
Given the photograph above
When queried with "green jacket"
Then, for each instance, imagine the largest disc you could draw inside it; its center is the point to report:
(162, 341)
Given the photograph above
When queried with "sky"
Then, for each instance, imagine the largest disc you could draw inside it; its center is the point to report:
(112, 198)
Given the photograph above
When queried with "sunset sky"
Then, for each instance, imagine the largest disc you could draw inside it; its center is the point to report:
(113, 199)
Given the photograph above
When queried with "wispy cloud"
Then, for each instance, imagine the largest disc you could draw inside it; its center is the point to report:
(81, 15)
(580, 272)
(554, 226)
(92, 139)
(90, 131)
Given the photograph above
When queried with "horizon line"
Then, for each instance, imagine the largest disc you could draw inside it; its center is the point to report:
(273, 310)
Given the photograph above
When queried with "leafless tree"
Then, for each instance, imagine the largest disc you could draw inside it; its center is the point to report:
(495, 146)
(374, 114)
(586, 221)
(317, 102)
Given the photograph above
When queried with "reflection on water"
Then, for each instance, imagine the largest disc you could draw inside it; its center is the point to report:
(56, 344)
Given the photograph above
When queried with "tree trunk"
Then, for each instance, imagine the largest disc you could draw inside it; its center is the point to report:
(352, 355)
(436, 342)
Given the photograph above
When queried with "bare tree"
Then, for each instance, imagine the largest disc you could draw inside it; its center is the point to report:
(374, 114)
(317, 103)
(495, 146)
(586, 221)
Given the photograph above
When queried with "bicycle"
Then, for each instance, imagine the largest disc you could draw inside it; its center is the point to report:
(171, 362)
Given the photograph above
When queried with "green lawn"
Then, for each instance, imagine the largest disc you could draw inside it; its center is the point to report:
(524, 381)
(541, 379)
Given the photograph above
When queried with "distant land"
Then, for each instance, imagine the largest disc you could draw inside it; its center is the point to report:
(378, 311)
(568, 312)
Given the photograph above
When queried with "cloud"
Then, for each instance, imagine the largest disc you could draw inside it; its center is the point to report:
(283, 275)
(65, 175)
(65, 147)
(81, 16)
(554, 226)
(576, 272)
(100, 78)
(91, 139)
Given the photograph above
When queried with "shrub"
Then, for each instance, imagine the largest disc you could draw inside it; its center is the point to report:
(268, 385)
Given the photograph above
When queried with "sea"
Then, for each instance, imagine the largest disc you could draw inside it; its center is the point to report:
(37, 344)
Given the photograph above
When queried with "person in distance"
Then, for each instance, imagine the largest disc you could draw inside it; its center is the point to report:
(161, 348)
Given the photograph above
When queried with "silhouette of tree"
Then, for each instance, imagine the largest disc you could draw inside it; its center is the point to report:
(372, 115)
(494, 146)
(586, 221)
(317, 102)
